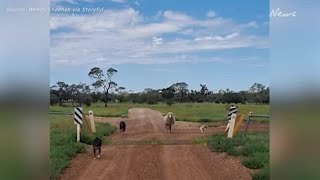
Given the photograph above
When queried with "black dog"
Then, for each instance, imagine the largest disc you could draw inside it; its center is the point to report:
(97, 143)
(122, 127)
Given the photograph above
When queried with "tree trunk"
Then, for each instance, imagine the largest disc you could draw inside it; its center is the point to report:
(80, 100)
(60, 99)
(106, 99)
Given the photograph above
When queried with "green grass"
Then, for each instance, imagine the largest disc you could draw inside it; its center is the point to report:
(206, 112)
(200, 140)
(113, 110)
(63, 145)
(252, 149)
(193, 112)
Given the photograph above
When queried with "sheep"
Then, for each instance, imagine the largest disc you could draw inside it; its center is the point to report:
(170, 120)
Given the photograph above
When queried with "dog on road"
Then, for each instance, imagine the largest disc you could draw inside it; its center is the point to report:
(97, 143)
(122, 127)
(202, 128)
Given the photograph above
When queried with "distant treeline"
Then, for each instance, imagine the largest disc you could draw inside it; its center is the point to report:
(176, 93)
(106, 90)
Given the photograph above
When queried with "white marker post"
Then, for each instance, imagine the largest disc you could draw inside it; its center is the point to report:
(93, 127)
(78, 132)
(78, 120)
(232, 123)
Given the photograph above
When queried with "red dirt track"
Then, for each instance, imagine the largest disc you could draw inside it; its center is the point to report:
(148, 152)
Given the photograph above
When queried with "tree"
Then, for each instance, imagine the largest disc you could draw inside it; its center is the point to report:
(82, 91)
(257, 87)
(259, 93)
(62, 90)
(121, 89)
(87, 100)
(121, 96)
(98, 76)
(167, 93)
(203, 95)
(265, 95)
(204, 90)
(53, 99)
(181, 90)
(72, 90)
(243, 95)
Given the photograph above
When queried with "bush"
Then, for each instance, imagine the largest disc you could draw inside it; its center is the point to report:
(88, 100)
(122, 98)
(54, 99)
(103, 99)
(220, 143)
(169, 102)
(253, 150)
(152, 101)
(256, 161)
(262, 175)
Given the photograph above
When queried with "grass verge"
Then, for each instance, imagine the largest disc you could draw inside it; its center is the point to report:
(63, 145)
(192, 112)
(113, 110)
(252, 149)
(200, 140)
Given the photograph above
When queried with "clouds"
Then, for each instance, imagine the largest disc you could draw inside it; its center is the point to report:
(157, 41)
(211, 14)
(127, 36)
(217, 38)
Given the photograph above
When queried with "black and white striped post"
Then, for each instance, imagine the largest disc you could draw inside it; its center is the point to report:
(231, 120)
(233, 110)
(78, 120)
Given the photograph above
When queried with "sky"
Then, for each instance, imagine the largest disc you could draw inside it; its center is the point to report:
(153, 44)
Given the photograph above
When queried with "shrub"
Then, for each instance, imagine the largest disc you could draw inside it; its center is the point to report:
(54, 99)
(256, 161)
(219, 143)
(252, 148)
(152, 101)
(262, 175)
(88, 100)
(169, 102)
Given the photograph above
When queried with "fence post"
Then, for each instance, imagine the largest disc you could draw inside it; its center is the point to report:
(232, 124)
(78, 120)
(249, 118)
(78, 132)
(91, 117)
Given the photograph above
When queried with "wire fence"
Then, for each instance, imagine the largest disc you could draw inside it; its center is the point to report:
(251, 116)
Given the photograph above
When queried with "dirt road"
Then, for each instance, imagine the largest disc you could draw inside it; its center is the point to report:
(147, 151)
